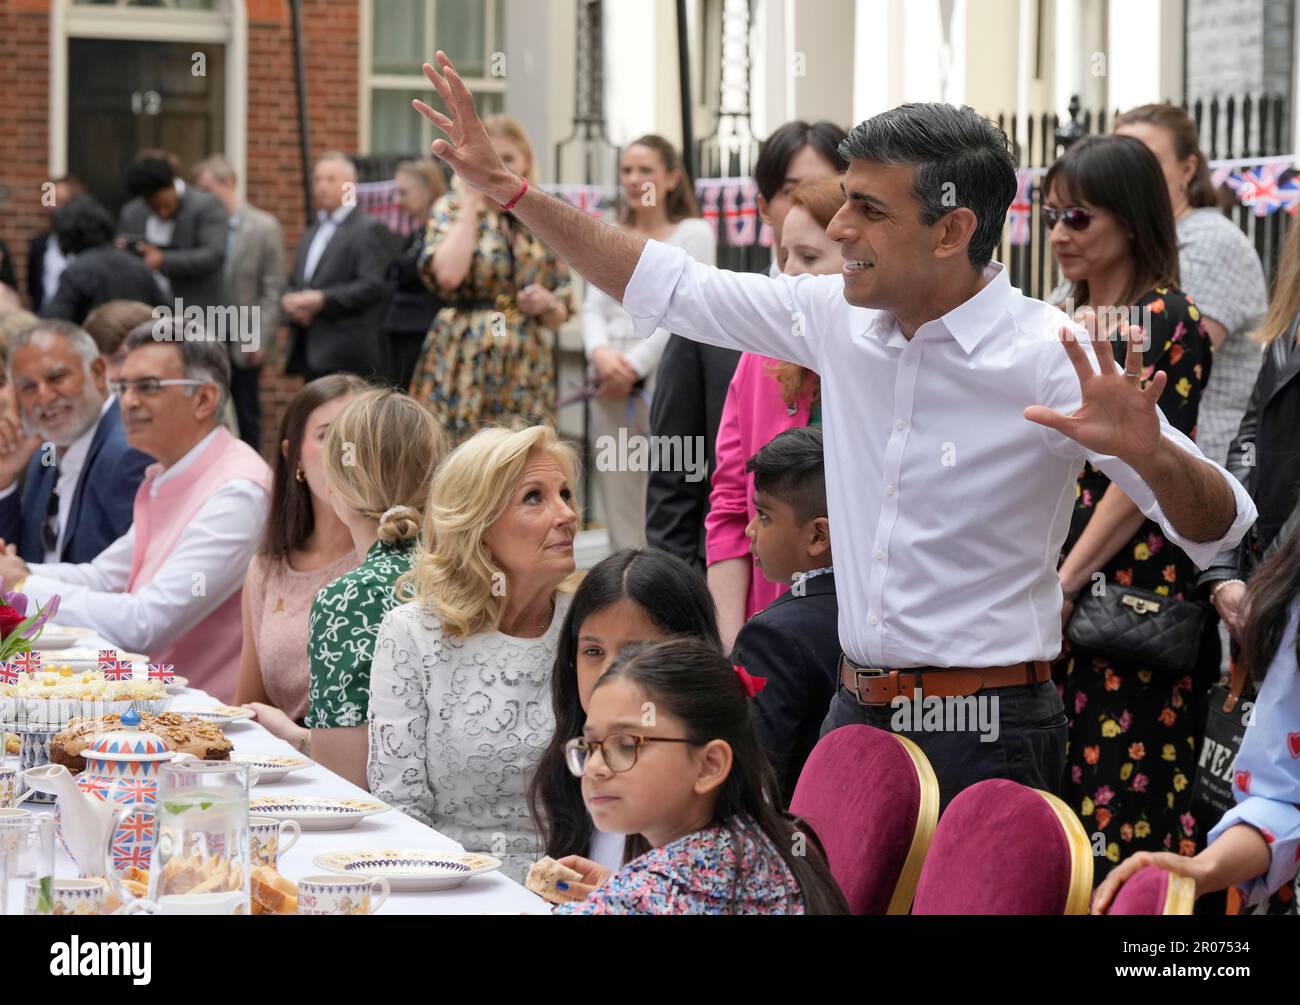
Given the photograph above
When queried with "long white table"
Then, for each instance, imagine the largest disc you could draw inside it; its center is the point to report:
(489, 894)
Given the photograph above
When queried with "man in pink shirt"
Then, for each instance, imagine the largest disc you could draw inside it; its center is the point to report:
(170, 586)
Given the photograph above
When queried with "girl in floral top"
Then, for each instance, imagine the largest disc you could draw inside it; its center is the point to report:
(1133, 734)
(379, 459)
(680, 765)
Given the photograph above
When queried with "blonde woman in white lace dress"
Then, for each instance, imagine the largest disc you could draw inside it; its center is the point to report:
(460, 707)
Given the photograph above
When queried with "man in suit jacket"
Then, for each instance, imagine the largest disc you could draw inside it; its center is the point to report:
(179, 231)
(253, 276)
(336, 293)
(45, 262)
(794, 643)
(689, 394)
(81, 475)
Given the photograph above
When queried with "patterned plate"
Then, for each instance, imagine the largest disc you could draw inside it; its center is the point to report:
(222, 715)
(271, 767)
(316, 813)
(411, 869)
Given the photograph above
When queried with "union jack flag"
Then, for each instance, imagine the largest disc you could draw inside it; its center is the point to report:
(1263, 189)
(164, 672)
(27, 662)
(107, 657)
(8, 673)
(116, 670)
(1022, 206)
(132, 853)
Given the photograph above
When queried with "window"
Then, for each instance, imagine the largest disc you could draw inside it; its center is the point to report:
(401, 36)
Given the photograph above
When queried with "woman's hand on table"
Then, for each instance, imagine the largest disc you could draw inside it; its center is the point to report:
(277, 723)
(593, 874)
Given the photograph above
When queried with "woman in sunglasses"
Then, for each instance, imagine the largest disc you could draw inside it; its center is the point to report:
(669, 752)
(1133, 734)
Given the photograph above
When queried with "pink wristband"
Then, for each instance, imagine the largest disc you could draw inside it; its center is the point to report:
(515, 201)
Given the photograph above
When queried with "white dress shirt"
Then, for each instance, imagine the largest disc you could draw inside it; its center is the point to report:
(218, 543)
(52, 267)
(947, 506)
(329, 224)
(70, 464)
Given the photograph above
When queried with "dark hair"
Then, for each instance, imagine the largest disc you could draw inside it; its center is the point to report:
(680, 203)
(1269, 595)
(778, 150)
(695, 683)
(792, 469)
(80, 224)
(147, 175)
(1201, 192)
(675, 597)
(1122, 176)
(961, 160)
(290, 519)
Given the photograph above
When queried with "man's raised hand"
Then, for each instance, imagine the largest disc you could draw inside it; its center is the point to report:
(1118, 416)
(467, 149)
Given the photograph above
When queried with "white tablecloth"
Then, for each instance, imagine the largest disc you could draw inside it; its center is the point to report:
(489, 894)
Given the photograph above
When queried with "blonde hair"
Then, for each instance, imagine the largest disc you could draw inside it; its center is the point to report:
(1286, 293)
(380, 455)
(454, 573)
(507, 127)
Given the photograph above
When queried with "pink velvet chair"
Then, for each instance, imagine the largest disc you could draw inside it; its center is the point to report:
(1153, 890)
(872, 799)
(1003, 848)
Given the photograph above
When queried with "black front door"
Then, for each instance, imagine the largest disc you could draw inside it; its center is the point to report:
(124, 97)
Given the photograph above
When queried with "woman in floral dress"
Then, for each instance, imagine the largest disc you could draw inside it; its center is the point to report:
(1134, 734)
(488, 358)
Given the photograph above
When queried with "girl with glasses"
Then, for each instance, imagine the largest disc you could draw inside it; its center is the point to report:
(669, 752)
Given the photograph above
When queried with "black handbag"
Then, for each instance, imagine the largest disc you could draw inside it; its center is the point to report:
(1225, 725)
(1140, 626)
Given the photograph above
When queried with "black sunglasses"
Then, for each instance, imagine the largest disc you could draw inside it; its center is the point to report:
(1075, 219)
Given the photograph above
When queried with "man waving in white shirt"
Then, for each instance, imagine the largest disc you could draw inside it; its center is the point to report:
(170, 586)
(955, 418)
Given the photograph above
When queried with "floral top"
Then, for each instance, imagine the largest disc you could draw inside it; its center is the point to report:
(457, 727)
(341, 634)
(698, 874)
(1266, 773)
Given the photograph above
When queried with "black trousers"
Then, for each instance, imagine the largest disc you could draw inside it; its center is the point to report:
(244, 388)
(1029, 746)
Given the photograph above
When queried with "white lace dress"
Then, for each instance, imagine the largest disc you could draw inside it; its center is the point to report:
(457, 727)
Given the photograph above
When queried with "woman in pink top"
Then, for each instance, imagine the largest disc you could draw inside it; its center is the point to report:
(304, 546)
(766, 397)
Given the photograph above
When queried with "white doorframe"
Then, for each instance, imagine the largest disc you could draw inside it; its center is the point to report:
(152, 24)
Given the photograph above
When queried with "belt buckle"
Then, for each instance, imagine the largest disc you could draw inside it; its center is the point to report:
(858, 674)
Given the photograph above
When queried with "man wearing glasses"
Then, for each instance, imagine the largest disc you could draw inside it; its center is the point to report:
(81, 475)
(170, 586)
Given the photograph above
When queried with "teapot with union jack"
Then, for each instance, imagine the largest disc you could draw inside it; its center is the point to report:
(108, 808)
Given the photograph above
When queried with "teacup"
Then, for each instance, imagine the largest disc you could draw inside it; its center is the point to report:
(341, 894)
(268, 837)
(8, 786)
(67, 897)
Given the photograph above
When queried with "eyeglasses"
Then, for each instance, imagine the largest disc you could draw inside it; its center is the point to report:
(619, 751)
(1075, 219)
(148, 387)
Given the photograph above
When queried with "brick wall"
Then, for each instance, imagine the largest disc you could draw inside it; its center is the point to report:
(273, 172)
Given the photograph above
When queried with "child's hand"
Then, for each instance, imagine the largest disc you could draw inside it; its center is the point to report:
(593, 874)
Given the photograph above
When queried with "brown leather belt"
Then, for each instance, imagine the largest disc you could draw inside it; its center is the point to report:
(880, 687)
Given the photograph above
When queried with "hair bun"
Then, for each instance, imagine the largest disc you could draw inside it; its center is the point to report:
(399, 523)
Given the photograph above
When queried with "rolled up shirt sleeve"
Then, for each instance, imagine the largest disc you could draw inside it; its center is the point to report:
(1266, 773)
(787, 317)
